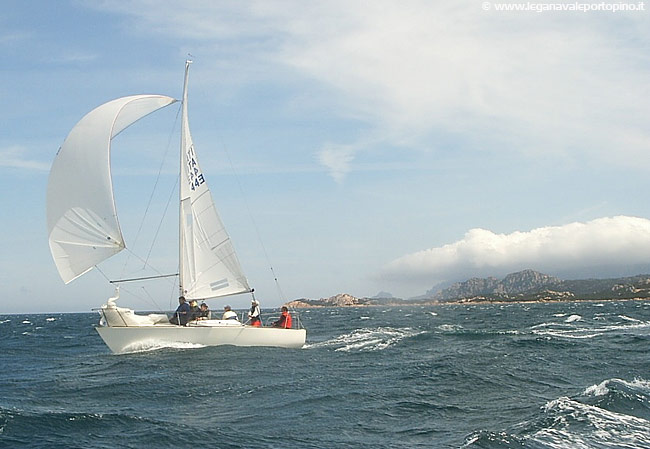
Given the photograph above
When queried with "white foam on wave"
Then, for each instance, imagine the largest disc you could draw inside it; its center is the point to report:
(597, 390)
(571, 334)
(155, 345)
(450, 327)
(5, 321)
(50, 319)
(573, 318)
(537, 326)
(606, 428)
(563, 330)
(366, 339)
(627, 318)
(603, 388)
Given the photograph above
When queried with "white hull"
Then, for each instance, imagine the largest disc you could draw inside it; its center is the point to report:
(137, 338)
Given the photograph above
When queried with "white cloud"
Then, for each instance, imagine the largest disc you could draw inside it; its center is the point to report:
(554, 83)
(337, 160)
(15, 157)
(611, 241)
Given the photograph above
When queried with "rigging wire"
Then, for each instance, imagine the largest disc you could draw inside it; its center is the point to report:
(153, 191)
(155, 237)
(147, 300)
(257, 230)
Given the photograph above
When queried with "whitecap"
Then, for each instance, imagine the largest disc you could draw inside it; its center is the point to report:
(609, 428)
(597, 390)
(537, 326)
(627, 318)
(577, 335)
(450, 327)
(50, 319)
(433, 314)
(603, 388)
(367, 339)
(26, 322)
(364, 318)
(573, 318)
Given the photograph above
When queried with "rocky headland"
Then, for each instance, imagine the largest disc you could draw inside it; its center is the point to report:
(523, 286)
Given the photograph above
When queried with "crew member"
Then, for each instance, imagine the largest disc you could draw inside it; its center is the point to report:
(285, 319)
(204, 313)
(195, 312)
(254, 313)
(228, 314)
(181, 315)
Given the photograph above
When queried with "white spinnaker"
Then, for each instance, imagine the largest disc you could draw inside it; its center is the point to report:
(209, 265)
(81, 217)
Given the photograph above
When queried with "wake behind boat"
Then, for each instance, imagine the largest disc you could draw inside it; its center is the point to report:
(84, 231)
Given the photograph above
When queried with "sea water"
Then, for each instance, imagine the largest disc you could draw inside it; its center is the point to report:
(549, 375)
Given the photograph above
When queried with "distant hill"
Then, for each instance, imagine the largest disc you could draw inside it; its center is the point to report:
(530, 285)
(344, 300)
(383, 294)
(522, 282)
(526, 285)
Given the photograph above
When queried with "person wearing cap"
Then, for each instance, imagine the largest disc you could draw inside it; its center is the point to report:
(228, 314)
(182, 312)
(285, 319)
(254, 313)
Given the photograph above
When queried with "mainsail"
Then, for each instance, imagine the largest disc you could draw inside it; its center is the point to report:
(209, 267)
(81, 217)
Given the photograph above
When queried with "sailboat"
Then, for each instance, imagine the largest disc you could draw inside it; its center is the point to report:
(84, 231)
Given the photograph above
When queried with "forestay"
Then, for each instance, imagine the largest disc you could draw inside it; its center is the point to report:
(81, 217)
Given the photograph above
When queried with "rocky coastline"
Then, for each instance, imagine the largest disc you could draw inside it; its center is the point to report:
(522, 286)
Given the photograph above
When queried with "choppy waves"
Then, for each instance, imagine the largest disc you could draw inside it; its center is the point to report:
(612, 414)
(367, 339)
(576, 327)
(532, 376)
(59, 429)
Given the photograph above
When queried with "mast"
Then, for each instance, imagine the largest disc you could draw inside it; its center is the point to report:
(181, 239)
(208, 264)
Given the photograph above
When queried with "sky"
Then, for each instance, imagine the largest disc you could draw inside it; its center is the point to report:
(351, 146)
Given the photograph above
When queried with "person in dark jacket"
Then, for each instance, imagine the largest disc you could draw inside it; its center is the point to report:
(204, 313)
(181, 315)
(195, 312)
